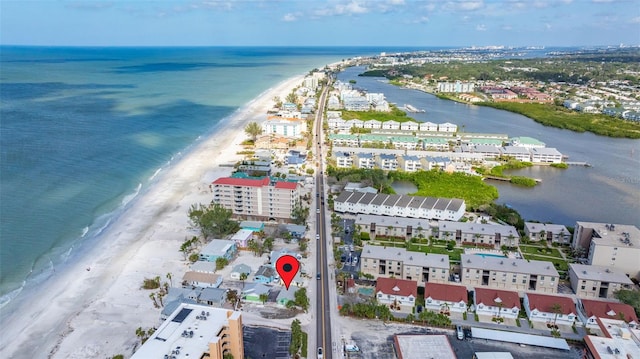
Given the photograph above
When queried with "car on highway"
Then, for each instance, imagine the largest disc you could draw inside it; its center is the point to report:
(320, 355)
(318, 210)
(318, 276)
(317, 237)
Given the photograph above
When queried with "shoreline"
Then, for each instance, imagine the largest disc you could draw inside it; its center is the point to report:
(92, 307)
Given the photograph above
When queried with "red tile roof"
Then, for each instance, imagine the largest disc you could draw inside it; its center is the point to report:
(395, 286)
(601, 309)
(446, 292)
(488, 297)
(245, 182)
(545, 303)
(286, 185)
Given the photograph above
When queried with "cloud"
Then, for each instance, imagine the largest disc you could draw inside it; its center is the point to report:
(547, 26)
(464, 5)
(289, 17)
(89, 5)
(396, 2)
(481, 27)
(506, 27)
(635, 20)
(352, 7)
(421, 20)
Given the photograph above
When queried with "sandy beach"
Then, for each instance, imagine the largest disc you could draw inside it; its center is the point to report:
(93, 307)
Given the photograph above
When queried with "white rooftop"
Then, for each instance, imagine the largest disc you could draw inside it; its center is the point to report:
(217, 247)
(614, 234)
(408, 258)
(187, 317)
(424, 347)
(599, 273)
(508, 265)
(479, 228)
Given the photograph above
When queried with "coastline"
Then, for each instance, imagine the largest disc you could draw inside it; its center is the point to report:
(92, 307)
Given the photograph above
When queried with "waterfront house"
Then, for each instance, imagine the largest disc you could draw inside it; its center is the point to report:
(445, 298)
(428, 127)
(398, 294)
(447, 127)
(286, 127)
(550, 309)
(242, 238)
(546, 155)
(218, 248)
(214, 297)
(494, 304)
(200, 279)
(589, 311)
(518, 153)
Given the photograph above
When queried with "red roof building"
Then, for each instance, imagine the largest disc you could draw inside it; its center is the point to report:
(398, 294)
(550, 308)
(590, 310)
(445, 298)
(500, 303)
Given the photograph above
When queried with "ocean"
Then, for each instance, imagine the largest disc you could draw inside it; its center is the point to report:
(83, 131)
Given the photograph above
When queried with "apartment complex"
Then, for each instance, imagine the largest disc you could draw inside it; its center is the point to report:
(590, 281)
(552, 233)
(610, 245)
(196, 331)
(398, 294)
(286, 127)
(383, 262)
(386, 226)
(257, 198)
(508, 273)
(477, 233)
(400, 205)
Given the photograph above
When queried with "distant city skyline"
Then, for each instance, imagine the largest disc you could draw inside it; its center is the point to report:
(320, 23)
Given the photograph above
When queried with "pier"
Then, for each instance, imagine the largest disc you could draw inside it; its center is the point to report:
(585, 164)
(412, 109)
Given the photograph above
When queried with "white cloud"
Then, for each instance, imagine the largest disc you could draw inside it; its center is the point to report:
(350, 8)
(506, 27)
(481, 27)
(289, 17)
(547, 26)
(635, 20)
(421, 20)
(396, 2)
(465, 5)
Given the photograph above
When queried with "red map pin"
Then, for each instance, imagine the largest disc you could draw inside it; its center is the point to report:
(287, 267)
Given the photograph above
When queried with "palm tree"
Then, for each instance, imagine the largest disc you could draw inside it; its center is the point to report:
(264, 297)
(170, 278)
(243, 277)
(153, 297)
(556, 309)
(253, 129)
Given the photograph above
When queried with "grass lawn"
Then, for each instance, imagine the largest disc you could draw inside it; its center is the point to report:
(539, 250)
(389, 244)
(560, 264)
(454, 255)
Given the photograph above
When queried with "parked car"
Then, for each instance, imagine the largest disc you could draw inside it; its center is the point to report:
(355, 260)
(456, 278)
(459, 332)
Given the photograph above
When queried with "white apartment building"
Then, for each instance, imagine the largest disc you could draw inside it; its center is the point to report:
(398, 294)
(496, 303)
(445, 298)
(590, 281)
(409, 163)
(590, 311)
(552, 233)
(542, 308)
(428, 127)
(508, 273)
(403, 206)
(410, 126)
(286, 127)
(383, 262)
(387, 162)
(519, 153)
(257, 199)
(527, 142)
(546, 155)
(465, 232)
(610, 245)
(447, 127)
(457, 86)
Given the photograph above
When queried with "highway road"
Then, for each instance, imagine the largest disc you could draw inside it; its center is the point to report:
(323, 314)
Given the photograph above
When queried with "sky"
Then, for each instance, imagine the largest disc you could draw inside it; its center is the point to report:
(320, 22)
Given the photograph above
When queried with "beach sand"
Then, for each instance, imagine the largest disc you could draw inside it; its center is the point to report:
(93, 307)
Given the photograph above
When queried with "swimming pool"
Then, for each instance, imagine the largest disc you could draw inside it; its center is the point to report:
(483, 255)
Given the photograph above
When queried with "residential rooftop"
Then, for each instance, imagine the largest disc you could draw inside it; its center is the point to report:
(607, 234)
(408, 258)
(415, 346)
(599, 273)
(508, 265)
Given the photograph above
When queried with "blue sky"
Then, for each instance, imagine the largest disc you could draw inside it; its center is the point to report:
(319, 23)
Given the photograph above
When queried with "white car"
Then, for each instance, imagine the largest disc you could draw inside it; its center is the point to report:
(320, 355)
(317, 237)
(318, 210)
(355, 260)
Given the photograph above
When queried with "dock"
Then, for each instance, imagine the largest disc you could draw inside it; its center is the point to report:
(573, 163)
(505, 179)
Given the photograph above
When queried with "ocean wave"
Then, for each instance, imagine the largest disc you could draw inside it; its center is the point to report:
(155, 173)
(7, 298)
(133, 195)
(85, 230)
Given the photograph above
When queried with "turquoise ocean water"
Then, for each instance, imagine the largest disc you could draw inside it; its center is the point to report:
(83, 131)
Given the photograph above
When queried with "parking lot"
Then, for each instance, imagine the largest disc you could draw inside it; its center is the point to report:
(261, 342)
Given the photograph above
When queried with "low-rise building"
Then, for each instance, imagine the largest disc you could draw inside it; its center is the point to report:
(617, 340)
(519, 153)
(265, 274)
(546, 155)
(242, 237)
(252, 292)
(364, 160)
(214, 297)
(387, 162)
(508, 273)
(286, 127)
(238, 270)
(589, 311)
(550, 309)
(445, 298)
(495, 235)
(196, 331)
(589, 281)
(496, 303)
(610, 245)
(552, 233)
(218, 248)
(409, 163)
(201, 279)
(527, 142)
(428, 127)
(383, 262)
(398, 294)
(375, 226)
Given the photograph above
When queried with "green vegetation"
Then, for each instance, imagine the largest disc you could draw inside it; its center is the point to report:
(523, 181)
(375, 178)
(396, 114)
(300, 299)
(454, 254)
(509, 165)
(504, 213)
(213, 220)
(253, 130)
(298, 338)
(221, 262)
(540, 250)
(151, 283)
(299, 213)
(118, 356)
(631, 297)
(557, 116)
(559, 263)
(560, 165)
(450, 185)
(358, 130)
(366, 310)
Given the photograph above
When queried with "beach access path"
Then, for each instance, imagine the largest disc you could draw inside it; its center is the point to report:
(92, 309)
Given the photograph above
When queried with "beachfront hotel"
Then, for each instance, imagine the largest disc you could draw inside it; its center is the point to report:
(196, 331)
(257, 198)
(610, 245)
(481, 270)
